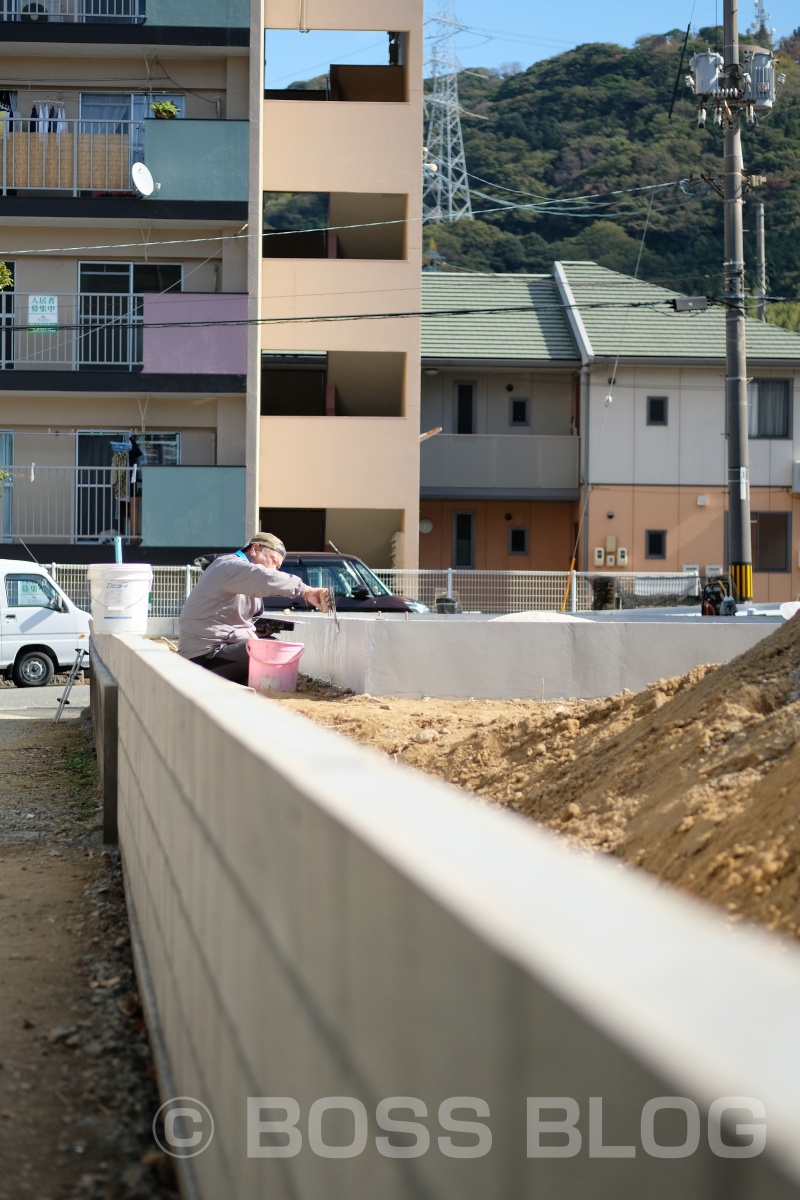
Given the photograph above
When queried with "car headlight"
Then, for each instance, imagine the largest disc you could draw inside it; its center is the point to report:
(417, 606)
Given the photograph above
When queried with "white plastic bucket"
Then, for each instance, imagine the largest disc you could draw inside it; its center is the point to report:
(120, 593)
(273, 665)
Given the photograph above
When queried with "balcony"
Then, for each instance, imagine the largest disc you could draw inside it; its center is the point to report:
(38, 15)
(159, 506)
(513, 465)
(48, 12)
(189, 160)
(173, 333)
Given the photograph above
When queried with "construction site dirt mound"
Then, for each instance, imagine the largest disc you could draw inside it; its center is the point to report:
(696, 779)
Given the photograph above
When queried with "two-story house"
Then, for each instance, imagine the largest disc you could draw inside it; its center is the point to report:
(582, 399)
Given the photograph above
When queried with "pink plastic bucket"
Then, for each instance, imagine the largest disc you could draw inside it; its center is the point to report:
(273, 665)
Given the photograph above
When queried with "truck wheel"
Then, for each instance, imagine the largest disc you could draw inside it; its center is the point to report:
(34, 669)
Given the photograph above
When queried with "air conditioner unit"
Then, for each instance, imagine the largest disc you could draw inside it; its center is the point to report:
(714, 569)
(40, 10)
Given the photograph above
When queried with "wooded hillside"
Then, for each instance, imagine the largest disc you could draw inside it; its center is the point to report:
(590, 129)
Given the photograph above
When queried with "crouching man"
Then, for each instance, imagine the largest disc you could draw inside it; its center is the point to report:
(217, 620)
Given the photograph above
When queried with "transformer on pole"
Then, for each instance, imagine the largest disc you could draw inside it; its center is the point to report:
(445, 194)
(730, 92)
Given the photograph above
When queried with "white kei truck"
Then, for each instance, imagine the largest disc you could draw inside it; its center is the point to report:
(41, 630)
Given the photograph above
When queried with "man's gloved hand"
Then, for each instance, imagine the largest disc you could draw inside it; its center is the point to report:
(315, 597)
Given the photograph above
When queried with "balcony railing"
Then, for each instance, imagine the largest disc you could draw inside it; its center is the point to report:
(95, 331)
(69, 504)
(69, 156)
(189, 160)
(166, 504)
(89, 12)
(481, 463)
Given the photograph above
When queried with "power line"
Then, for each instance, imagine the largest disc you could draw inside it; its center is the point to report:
(14, 253)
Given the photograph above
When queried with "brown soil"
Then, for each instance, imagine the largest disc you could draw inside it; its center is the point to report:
(696, 779)
(77, 1092)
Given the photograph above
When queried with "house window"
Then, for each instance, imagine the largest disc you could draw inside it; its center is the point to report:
(772, 541)
(769, 408)
(518, 412)
(465, 408)
(464, 540)
(657, 408)
(655, 543)
(518, 541)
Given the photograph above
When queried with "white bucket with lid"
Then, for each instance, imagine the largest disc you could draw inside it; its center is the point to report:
(120, 593)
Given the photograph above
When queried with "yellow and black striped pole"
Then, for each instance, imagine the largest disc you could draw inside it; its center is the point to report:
(742, 579)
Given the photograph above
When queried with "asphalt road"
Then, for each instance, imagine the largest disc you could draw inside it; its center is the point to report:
(39, 703)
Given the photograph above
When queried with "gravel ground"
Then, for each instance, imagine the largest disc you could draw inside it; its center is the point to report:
(77, 1083)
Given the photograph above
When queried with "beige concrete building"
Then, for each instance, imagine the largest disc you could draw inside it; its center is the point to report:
(160, 315)
(339, 412)
(123, 340)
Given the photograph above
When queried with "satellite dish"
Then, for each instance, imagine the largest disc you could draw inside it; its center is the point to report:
(143, 181)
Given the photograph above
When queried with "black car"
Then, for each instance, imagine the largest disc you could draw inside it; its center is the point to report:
(355, 587)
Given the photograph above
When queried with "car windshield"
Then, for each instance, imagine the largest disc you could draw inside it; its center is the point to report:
(373, 583)
(341, 577)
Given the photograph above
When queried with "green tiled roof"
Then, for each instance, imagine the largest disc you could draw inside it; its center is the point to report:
(621, 316)
(605, 298)
(540, 332)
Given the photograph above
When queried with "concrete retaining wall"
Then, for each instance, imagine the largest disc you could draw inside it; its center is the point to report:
(315, 922)
(489, 659)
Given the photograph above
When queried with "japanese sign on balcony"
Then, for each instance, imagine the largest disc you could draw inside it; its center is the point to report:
(43, 314)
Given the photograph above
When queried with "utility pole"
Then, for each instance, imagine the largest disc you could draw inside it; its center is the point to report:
(731, 92)
(761, 262)
(739, 539)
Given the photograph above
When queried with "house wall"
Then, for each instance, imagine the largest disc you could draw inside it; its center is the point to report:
(650, 477)
(550, 526)
(549, 393)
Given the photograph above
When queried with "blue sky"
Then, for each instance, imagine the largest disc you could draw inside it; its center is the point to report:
(519, 31)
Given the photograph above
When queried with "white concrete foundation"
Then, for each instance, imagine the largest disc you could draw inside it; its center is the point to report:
(478, 657)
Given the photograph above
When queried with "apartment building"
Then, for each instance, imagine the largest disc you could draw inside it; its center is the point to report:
(583, 396)
(339, 410)
(123, 340)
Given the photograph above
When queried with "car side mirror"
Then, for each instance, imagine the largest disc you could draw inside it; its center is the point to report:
(361, 592)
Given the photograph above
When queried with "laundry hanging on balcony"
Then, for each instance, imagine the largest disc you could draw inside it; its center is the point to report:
(48, 118)
(119, 473)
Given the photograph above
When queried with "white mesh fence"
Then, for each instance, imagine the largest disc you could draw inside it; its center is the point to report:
(475, 591)
(171, 586)
(523, 591)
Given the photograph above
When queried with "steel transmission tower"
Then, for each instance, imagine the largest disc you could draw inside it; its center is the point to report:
(445, 195)
(762, 19)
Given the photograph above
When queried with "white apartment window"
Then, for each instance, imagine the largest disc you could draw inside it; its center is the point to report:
(465, 408)
(769, 408)
(655, 543)
(518, 411)
(657, 410)
(772, 541)
(464, 540)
